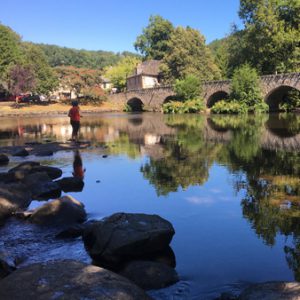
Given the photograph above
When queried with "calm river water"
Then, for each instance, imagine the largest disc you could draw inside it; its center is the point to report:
(230, 186)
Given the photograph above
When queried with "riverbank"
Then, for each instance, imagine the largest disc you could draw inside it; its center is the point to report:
(10, 109)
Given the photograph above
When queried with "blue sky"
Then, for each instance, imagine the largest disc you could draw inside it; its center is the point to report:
(112, 25)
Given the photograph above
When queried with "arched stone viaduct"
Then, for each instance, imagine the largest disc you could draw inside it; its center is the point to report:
(274, 88)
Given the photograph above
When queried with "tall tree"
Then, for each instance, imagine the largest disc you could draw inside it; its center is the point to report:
(153, 42)
(220, 51)
(118, 73)
(10, 52)
(188, 55)
(21, 79)
(46, 79)
(271, 39)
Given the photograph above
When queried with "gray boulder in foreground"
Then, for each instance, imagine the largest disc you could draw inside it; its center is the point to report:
(272, 291)
(125, 236)
(62, 211)
(68, 279)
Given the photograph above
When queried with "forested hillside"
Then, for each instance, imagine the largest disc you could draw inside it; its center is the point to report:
(62, 56)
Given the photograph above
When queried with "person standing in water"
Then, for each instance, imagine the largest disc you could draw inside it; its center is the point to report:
(74, 114)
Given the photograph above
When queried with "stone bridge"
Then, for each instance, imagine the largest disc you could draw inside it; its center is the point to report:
(274, 89)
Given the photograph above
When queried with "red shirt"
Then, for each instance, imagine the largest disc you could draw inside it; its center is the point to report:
(74, 113)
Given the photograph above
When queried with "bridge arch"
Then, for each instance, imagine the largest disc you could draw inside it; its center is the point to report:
(135, 104)
(170, 98)
(278, 95)
(215, 97)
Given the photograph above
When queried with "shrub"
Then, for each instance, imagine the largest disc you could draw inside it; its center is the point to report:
(291, 101)
(190, 106)
(188, 88)
(229, 107)
(245, 86)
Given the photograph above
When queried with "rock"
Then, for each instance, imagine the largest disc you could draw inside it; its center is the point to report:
(71, 232)
(41, 186)
(31, 167)
(13, 197)
(45, 153)
(52, 172)
(25, 166)
(7, 177)
(63, 211)
(20, 152)
(149, 275)
(68, 279)
(122, 237)
(272, 291)
(71, 184)
(7, 265)
(4, 160)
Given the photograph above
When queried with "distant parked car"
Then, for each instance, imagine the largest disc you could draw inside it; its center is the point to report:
(6, 97)
(30, 99)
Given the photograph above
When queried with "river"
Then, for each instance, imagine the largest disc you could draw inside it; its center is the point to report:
(229, 185)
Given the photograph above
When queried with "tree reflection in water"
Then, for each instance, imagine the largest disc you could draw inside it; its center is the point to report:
(272, 186)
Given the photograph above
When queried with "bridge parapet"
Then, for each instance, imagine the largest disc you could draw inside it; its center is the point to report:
(153, 98)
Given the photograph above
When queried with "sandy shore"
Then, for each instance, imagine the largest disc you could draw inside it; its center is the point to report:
(10, 109)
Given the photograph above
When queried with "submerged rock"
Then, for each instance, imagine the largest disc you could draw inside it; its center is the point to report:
(272, 291)
(71, 184)
(149, 275)
(122, 237)
(20, 152)
(62, 211)
(4, 160)
(68, 279)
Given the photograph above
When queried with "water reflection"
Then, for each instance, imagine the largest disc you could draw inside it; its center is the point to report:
(179, 152)
(78, 170)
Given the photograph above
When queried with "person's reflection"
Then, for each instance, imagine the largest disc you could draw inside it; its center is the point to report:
(78, 170)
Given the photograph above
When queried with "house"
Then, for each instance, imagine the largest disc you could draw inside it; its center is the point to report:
(146, 75)
(106, 84)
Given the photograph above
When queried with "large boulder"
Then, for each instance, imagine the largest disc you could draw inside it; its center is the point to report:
(123, 236)
(25, 166)
(272, 291)
(149, 275)
(30, 167)
(13, 197)
(41, 186)
(68, 279)
(62, 211)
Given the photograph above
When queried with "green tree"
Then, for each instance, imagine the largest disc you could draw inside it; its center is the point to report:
(245, 86)
(188, 88)
(46, 79)
(271, 39)
(188, 55)
(118, 73)
(220, 51)
(10, 52)
(153, 42)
